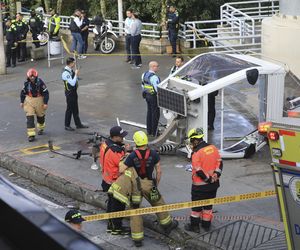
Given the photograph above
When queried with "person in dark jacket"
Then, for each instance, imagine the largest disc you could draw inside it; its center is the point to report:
(173, 25)
(85, 30)
(75, 28)
(36, 26)
(22, 30)
(11, 38)
(34, 100)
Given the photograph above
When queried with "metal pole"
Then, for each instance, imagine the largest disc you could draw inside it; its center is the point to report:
(2, 52)
(222, 118)
(120, 15)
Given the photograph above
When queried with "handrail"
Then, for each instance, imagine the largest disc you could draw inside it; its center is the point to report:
(239, 24)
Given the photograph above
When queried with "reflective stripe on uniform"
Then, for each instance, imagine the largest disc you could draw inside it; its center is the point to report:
(136, 199)
(196, 214)
(128, 173)
(166, 221)
(31, 131)
(118, 196)
(41, 125)
(207, 215)
(137, 236)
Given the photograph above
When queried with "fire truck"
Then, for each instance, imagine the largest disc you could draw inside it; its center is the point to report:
(283, 133)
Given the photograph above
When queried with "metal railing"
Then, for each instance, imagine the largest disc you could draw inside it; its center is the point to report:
(238, 29)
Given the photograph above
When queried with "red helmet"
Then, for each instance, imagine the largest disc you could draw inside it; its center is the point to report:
(32, 72)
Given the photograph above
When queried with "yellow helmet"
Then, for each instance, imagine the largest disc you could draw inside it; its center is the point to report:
(196, 133)
(140, 138)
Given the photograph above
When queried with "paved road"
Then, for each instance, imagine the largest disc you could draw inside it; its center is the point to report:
(110, 88)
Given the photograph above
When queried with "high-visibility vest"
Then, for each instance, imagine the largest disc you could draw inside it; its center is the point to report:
(206, 159)
(147, 85)
(54, 24)
(69, 87)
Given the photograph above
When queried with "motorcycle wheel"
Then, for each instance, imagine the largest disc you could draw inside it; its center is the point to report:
(107, 45)
(44, 38)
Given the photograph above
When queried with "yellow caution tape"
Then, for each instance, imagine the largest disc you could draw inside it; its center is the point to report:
(181, 205)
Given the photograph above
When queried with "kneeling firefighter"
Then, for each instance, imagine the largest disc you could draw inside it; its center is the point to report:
(206, 170)
(34, 100)
(139, 167)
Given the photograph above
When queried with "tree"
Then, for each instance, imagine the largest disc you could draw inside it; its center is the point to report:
(58, 6)
(103, 8)
(2, 54)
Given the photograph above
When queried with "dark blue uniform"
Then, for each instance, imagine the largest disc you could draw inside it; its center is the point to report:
(11, 38)
(173, 25)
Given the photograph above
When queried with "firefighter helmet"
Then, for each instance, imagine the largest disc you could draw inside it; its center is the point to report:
(32, 72)
(196, 133)
(140, 138)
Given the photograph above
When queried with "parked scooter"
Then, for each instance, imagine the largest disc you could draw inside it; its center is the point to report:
(104, 37)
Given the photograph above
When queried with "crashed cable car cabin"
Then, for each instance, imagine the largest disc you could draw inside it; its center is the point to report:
(183, 97)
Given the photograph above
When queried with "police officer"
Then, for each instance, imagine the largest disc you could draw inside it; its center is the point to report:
(34, 100)
(173, 26)
(146, 162)
(70, 79)
(206, 170)
(111, 152)
(178, 63)
(11, 38)
(22, 29)
(150, 82)
(36, 26)
(53, 24)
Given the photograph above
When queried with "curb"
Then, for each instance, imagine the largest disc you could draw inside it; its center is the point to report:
(86, 194)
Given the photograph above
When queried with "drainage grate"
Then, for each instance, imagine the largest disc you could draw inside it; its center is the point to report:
(243, 235)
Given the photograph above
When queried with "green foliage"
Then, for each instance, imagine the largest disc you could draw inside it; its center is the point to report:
(150, 10)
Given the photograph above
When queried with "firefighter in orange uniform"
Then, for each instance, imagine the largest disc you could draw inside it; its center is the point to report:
(111, 152)
(206, 171)
(34, 100)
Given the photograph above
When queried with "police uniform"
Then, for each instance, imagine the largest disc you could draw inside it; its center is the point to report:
(34, 96)
(173, 26)
(149, 83)
(11, 38)
(206, 162)
(54, 25)
(22, 29)
(71, 84)
(110, 156)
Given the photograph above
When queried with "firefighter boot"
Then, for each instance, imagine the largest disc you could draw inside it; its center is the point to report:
(193, 226)
(138, 243)
(30, 128)
(40, 124)
(109, 227)
(121, 231)
(171, 226)
(206, 225)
